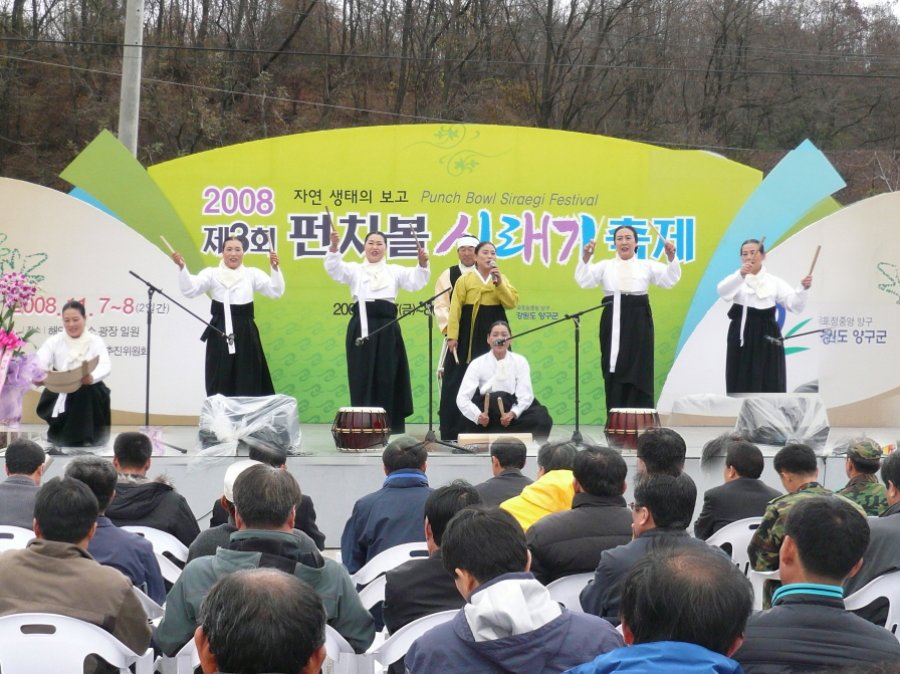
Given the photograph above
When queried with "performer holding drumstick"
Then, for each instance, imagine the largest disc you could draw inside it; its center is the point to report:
(235, 364)
(480, 298)
(377, 366)
(626, 324)
(755, 359)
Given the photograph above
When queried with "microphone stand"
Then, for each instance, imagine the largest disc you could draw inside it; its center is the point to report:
(428, 305)
(776, 340)
(151, 289)
(576, 322)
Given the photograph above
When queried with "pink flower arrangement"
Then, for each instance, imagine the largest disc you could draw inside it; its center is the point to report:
(15, 289)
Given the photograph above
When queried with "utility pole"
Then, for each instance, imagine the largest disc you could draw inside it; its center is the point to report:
(130, 94)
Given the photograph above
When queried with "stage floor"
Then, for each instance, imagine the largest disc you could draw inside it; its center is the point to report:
(336, 479)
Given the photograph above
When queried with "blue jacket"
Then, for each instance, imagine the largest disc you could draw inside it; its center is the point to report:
(392, 515)
(131, 554)
(565, 641)
(660, 656)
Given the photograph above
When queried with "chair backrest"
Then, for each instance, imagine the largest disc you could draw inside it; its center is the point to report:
(184, 661)
(396, 645)
(33, 643)
(14, 538)
(389, 559)
(151, 608)
(886, 586)
(566, 590)
(373, 593)
(340, 657)
(165, 547)
(734, 539)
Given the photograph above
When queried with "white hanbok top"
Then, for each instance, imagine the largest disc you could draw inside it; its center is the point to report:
(761, 291)
(231, 286)
(631, 276)
(486, 374)
(62, 353)
(442, 303)
(379, 281)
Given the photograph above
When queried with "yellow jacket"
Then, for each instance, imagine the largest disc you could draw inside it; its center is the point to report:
(550, 493)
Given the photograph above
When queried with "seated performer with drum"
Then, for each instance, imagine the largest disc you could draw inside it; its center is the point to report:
(496, 395)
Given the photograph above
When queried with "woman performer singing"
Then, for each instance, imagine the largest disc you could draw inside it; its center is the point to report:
(480, 298)
(626, 324)
(755, 359)
(80, 418)
(377, 367)
(235, 364)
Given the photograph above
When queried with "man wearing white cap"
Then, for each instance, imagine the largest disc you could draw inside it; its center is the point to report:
(218, 536)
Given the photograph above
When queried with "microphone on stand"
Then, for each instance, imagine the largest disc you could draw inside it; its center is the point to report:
(499, 342)
(361, 340)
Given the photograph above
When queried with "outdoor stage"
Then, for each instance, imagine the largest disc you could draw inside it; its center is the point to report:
(336, 479)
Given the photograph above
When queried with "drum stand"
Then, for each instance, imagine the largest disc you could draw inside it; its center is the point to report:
(576, 321)
(428, 306)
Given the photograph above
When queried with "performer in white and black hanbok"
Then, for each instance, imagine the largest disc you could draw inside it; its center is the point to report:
(80, 418)
(503, 379)
(377, 368)
(234, 367)
(755, 359)
(626, 325)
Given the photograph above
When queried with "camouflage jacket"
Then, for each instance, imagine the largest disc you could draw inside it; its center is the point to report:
(766, 542)
(868, 492)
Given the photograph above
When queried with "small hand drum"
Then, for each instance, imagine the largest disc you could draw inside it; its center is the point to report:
(357, 429)
(624, 425)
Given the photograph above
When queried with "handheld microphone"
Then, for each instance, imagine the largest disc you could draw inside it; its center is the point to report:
(494, 272)
(499, 342)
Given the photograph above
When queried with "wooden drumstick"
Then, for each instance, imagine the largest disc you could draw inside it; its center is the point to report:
(658, 232)
(815, 258)
(500, 405)
(168, 245)
(487, 403)
(762, 242)
(415, 236)
(330, 220)
(455, 357)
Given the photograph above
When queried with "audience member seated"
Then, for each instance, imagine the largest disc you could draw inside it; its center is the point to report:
(306, 511)
(863, 461)
(743, 494)
(24, 468)
(661, 512)
(55, 573)
(111, 546)
(553, 490)
(660, 450)
(807, 628)
(571, 541)
(261, 620)
(883, 553)
(141, 501)
(507, 462)
(421, 587)
(509, 623)
(496, 395)
(684, 610)
(797, 467)
(393, 514)
(265, 500)
(218, 537)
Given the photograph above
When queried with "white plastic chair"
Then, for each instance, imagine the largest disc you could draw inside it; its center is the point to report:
(184, 661)
(163, 542)
(887, 586)
(396, 645)
(340, 658)
(389, 559)
(373, 593)
(14, 538)
(44, 643)
(566, 590)
(737, 536)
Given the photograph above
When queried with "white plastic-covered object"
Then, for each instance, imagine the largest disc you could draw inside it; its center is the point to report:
(264, 422)
(783, 418)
